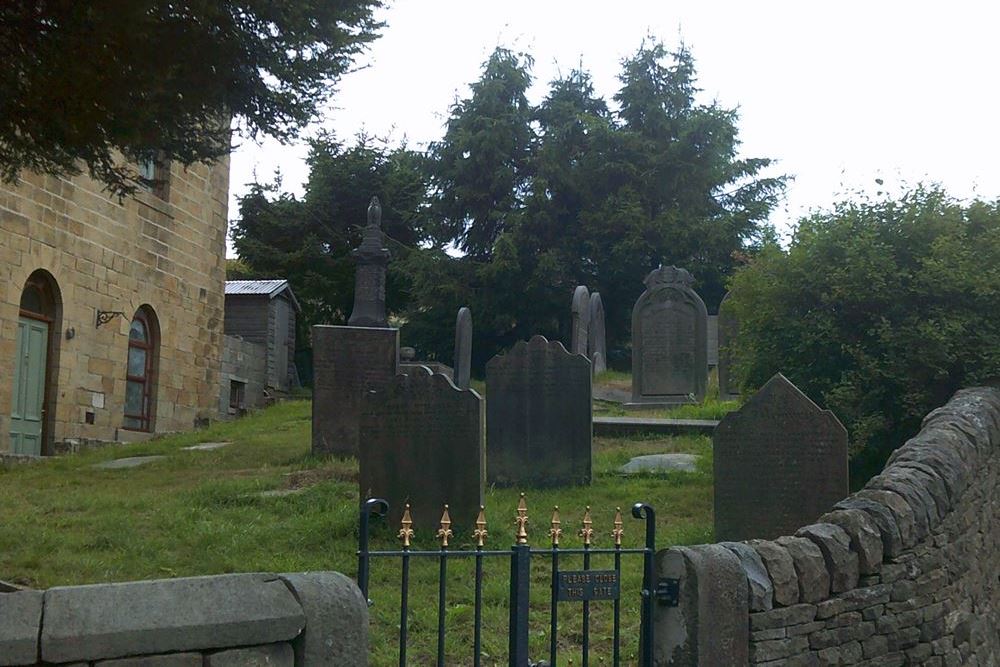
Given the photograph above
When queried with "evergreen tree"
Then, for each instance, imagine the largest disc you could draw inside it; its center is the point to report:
(83, 83)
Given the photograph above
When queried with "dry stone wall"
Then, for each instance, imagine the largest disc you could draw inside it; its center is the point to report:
(904, 572)
(307, 619)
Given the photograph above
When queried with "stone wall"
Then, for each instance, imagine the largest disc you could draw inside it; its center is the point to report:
(903, 572)
(289, 620)
(246, 362)
(107, 254)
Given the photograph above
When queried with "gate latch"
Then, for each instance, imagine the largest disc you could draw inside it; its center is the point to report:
(668, 591)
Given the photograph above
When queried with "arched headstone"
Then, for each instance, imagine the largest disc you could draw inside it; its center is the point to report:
(581, 320)
(463, 348)
(538, 416)
(780, 462)
(597, 347)
(669, 340)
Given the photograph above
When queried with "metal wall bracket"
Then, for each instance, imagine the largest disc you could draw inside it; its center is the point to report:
(105, 316)
(668, 591)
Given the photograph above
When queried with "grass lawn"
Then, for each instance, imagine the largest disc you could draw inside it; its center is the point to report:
(63, 522)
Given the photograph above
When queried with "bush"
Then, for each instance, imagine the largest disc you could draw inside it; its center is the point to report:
(879, 310)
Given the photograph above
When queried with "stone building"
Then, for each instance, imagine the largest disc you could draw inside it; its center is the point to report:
(111, 311)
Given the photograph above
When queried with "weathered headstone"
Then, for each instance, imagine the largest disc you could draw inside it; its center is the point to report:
(669, 340)
(423, 446)
(538, 416)
(581, 320)
(463, 348)
(347, 361)
(597, 346)
(369, 279)
(780, 462)
(728, 328)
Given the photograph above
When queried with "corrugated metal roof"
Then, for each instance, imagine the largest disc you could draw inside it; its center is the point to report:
(269, 288)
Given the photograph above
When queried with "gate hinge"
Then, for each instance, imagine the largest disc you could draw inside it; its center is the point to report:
(668, 591)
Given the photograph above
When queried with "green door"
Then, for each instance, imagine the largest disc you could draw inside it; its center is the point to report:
(28, 412)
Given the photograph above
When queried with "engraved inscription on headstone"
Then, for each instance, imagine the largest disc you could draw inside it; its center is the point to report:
(780, 462)
(728, 328)
(463, 348)
(423, 446)
(538, 416)
(580, 320)
(597, 346)
(584, 585)
(369, 280)
(347, 361)
(669, 340)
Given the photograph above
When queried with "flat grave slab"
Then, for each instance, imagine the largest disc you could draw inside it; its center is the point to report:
(206, 446)
(661, 463)
(127, 462)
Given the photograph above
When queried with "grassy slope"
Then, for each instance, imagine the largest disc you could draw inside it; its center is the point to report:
(63, 522)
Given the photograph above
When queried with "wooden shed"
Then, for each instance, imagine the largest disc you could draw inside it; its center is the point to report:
(263, 312)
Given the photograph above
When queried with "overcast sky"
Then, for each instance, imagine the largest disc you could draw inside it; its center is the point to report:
(839, 93)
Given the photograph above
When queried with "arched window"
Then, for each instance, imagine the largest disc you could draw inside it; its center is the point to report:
(140, 384)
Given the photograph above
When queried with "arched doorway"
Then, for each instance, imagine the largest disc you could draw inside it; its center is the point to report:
(140, 385)
(32, 405)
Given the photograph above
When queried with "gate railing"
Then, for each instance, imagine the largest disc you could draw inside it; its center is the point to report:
(577, 586)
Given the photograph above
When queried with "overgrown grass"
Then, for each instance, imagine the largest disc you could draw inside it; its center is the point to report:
(64, 522)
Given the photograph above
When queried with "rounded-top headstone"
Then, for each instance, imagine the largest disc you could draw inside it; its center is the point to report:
(581, 320)
(462, 367)
(597, 346)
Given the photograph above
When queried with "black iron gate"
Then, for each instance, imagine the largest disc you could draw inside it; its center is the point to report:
(581, 586)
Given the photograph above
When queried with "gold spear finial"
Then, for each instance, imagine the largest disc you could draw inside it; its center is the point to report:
(618, 530)
(555, 531)
(587, 532)
(444, 532)
(406, 532)
(480, 532)
(522, 521)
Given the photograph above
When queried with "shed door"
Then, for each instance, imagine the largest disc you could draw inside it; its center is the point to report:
(28, 410)
(281, 343)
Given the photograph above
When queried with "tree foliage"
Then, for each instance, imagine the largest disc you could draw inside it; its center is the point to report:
(308, 240)
(87, 82)
(522, 202)
(879, 309)
(571, 192)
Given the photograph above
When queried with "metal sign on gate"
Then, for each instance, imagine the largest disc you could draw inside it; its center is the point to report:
(581, 586)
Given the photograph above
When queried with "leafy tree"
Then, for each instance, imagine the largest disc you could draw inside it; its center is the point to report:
(309, 240)
(84, 82)
(880, 310)
(569, 192)
(481, 166)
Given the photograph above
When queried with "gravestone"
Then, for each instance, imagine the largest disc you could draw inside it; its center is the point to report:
(669, 340)
(463, 348)
(423, 446)
(347, 361)
(597, 347)
(728, 328)
(538, 416)
(780, 463)
(581, 320)
(369, 278)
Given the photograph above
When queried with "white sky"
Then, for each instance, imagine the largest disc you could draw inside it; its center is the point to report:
(839, 93)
